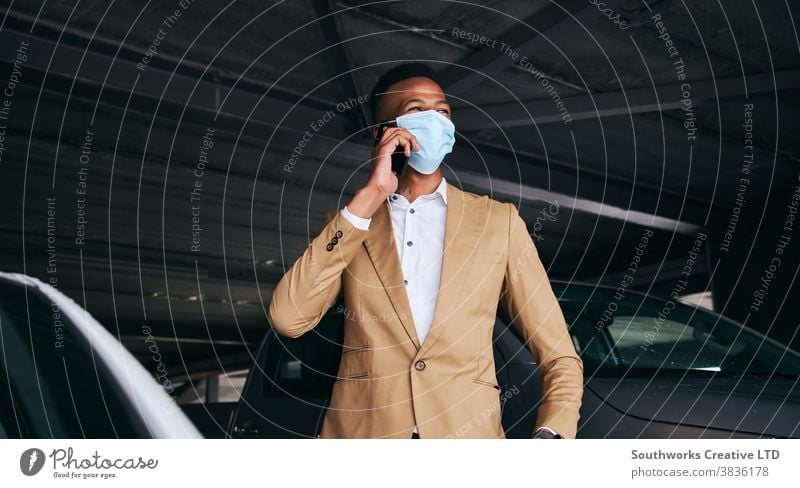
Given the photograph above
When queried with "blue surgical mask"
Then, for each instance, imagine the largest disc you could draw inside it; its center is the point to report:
(435, 135)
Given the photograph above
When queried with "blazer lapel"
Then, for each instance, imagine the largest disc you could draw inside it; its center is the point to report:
(464, 224)
(382, 250)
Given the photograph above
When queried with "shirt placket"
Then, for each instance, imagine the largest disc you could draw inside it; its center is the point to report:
(410, 249)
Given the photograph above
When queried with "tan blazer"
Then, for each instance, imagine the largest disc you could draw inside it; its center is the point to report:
(387, 382)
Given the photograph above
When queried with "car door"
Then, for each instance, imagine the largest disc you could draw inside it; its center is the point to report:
(288, 390)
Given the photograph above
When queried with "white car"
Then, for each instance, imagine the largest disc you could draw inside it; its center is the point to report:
(63, 375)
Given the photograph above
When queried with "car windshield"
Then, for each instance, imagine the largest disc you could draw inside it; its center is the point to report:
(629, 331)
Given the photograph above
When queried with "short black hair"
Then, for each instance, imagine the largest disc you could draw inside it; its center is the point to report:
(396, 75)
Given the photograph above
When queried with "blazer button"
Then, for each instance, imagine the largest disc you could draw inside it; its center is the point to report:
(335, 241)
(338, 233)
(420, 365)
(329, 247)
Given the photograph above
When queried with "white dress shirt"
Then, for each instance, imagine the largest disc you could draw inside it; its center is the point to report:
(419, 235)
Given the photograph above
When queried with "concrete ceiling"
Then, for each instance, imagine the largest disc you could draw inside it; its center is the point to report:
(261, 72)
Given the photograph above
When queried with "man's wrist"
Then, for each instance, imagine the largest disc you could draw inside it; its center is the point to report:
(366, 201)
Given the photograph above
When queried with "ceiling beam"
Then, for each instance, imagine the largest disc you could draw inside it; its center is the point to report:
(662, 98)
(604, 210)
(120, 73)
(330, 24)
(488, 62)
(55, 29)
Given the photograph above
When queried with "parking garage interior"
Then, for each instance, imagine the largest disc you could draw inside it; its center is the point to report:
(164, 164)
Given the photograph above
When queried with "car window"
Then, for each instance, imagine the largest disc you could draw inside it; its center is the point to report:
(645, 343)
(50, 384)
(650, 333)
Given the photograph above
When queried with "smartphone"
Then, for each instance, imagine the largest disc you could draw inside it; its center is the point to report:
(399, 159)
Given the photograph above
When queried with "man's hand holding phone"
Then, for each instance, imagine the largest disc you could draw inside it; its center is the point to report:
(383, 180)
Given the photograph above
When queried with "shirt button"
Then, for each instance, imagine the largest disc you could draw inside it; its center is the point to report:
(394, 197)
(410, 243)
(412, 210)
(420, 365)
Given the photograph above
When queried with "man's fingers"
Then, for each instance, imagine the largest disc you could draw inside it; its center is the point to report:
(392, 132)
(412, 139)
(399, 139)
(406, 147)
(414, 142)
(395, 142)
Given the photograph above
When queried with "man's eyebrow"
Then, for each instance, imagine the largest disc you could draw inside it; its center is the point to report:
(419, 100)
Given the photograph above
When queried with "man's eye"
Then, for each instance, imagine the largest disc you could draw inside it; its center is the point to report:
(444, 111)
(415, 108)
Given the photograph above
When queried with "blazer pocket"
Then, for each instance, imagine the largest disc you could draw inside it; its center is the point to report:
(351, 349)
(487, 383)
(354, 363)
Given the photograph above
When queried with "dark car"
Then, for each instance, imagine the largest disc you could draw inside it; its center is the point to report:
(653, 368)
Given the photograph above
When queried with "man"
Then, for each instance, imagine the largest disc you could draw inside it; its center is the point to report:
(422, 266)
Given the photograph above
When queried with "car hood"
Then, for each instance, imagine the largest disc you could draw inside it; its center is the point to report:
(753, 404)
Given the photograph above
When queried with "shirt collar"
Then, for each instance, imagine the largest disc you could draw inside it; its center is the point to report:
(440, 190)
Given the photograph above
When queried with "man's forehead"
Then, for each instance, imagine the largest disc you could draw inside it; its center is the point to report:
(416, 87)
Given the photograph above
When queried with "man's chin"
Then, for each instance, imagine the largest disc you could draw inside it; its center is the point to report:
(408, 169)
